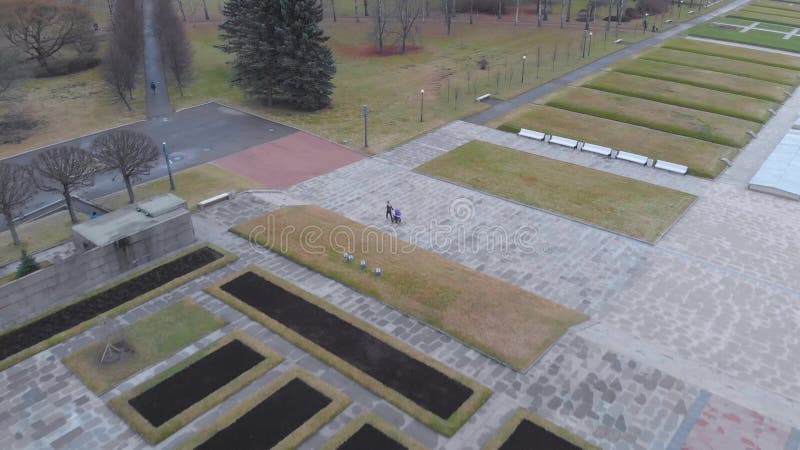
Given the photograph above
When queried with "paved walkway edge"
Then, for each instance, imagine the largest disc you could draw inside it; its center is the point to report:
(689, 420)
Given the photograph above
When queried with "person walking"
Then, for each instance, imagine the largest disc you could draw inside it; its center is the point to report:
(389, 211)
(153, 87)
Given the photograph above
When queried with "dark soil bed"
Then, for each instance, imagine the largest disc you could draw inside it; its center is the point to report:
(75, 314)
(272, 420)
(170, 397)
(370, 438)
(420, 383)
(528, 435)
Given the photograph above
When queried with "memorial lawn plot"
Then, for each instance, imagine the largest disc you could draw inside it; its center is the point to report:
(617, 203)
(56, 326)
(759, 36)
(767, 15)
(497, 318)
(164, 404)
(525, 428)
(142, 344)
(369, 431)
(279, 416)
(427, 390)
(702, 157)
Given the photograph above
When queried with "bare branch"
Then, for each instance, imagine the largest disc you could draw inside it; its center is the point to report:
(64, 170)
(176, 50)
(130, 153)
(16, 189)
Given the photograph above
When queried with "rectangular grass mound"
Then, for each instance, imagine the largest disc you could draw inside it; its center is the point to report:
(733, 84)
(673, 119)
(279, 416)
(702, 157)
(162, 405)
(145, 343)
(368, 431)
(724, 65)
(55, 326)
(737, 53)
(685, 95)
(495, 317)
(427, 390)
(753, 37)
(525, 429)
(635, 208)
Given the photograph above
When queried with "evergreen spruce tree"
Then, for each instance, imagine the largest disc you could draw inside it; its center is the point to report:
(307, 63)
(27, 265)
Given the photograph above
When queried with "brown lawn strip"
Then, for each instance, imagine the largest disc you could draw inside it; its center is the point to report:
(501, 320)
(724, 65)
(702, 157)
(673, 119)
(724, 82)
(150, 340)
(525, 427)
(642, 210)
(710, 100)
(732, 52)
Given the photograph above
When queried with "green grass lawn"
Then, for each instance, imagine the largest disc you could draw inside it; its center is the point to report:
(723, 65)
(658, 116)
(642, 210)
(782, 12)
(502, 320)
(686, 95)
(37, 236)
(779, 5)
(704, 78)
(152, 339)
(762, 17)
(193, 185)
(752, 37)
(737, 53)
(702, 157)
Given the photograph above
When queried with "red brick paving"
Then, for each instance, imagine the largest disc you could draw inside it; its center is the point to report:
(289, 160)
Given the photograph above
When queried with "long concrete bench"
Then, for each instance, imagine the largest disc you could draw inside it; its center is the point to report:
(483, 97)
(632, 157)
(215, 199)
(596, 149)
(566, 142)
(531, 134)
(671, 167)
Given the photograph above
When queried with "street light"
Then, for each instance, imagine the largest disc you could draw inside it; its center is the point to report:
(644, 24)
(421, 102)
(365, 110)
(524, 57)
(169, 166)
(680, 3)
(589, 53)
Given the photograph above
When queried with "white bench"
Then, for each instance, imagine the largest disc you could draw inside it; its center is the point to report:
(566, 142)
(215, 199)
(618, 41)
(531, 134)
(632, 157)
(596, 149)
(483, 97)
(671, 167)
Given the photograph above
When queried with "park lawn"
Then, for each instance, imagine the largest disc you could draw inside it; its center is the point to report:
(733, 84)
(685, 95)
(762, 17)
(780, 5)
(783, 12)
(724, 65)
(658, 116)
(193, 185)
(502, 320)
(390, 85)
(635, 208)
(737, 53)
(702, 157)
(152, 339)
(36, 236)
(752, 37)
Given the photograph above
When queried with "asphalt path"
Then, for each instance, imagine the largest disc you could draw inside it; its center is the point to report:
(158, 104)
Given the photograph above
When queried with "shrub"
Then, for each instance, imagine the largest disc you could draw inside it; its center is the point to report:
(27, 265)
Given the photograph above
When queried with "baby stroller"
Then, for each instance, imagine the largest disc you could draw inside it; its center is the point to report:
(397, 218)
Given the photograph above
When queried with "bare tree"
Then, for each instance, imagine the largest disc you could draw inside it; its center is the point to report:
(41, 28)
(499, 9)
(176, 50)
(333, 9)
(180, 7)
(12, 70)
(569, 9)
(366, 8)
(471, 10)
(130, 153)
(16, 189)
(408, 11)
(126, 47)
(111, 5)
(64, 170)
(447, 12)
(516, 14)
(381, 28)
(205, 10)
(355, 6)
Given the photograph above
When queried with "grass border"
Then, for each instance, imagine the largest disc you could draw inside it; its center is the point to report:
(511, 424)
(153, 435)
(127, 306)
(339, 402)
(446, 427)
(678, 47)
(656, 58)
(92, 385)
(371, 418)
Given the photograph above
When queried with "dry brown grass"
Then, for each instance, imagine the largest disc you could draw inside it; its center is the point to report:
(504, 321)
(729, 51)
(742, 68)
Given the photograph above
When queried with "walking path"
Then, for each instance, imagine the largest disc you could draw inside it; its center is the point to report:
(158, 104)
(500, 109)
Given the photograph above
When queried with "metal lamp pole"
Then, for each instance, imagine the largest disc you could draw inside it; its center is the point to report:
(421, 102)
(365, 110)
(169, 166)
(524, 57)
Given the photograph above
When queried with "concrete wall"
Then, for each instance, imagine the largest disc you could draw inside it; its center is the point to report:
(74, 277)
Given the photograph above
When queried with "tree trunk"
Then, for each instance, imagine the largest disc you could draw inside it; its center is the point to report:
(516, 15)
(129, 187)
(205, 10)
(180, 7)
(471, 3)
(562, 13)
(68, 200)
(499, 9)
(333, 9)
(366, 9)
(11, 228)
(355, 7)
(269, 93)
(538, 13)
(608, 19)
(546, 6)
(569, 10)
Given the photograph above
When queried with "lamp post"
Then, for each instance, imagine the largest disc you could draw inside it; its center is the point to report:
(524, 57)
(680, 3)
(644, 24)
(169, 166)
(421, 102)
(365, 110)
(589, 52)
